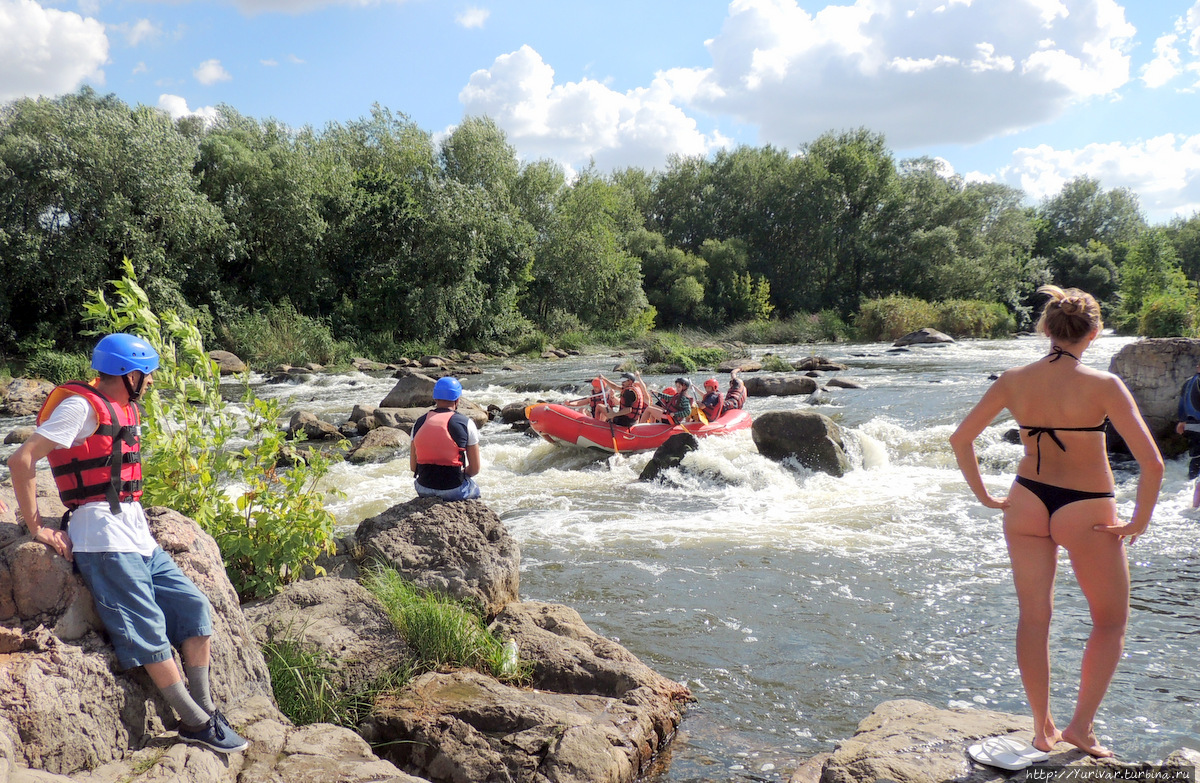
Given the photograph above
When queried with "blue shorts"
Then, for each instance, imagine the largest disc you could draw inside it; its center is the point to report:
(146, 603)
(468, 490)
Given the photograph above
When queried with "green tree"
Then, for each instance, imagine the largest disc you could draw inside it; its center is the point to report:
(1082, 212)
(1151, 271)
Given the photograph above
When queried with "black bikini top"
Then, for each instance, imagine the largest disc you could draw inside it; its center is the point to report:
(1038, 432)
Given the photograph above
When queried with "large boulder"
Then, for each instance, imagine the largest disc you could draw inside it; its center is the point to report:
(379, 445)
(779, 385)
(18, 435)
(1155, 371)
(465, 727)
(412, 390)
(227, 363)
(924, 336)
(405, 418)
(460, 548)
(809, 363)
(24, 397)
(337, 617)
(313, 428)
(812, 439)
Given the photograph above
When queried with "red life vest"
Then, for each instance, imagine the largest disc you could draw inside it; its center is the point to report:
(598, 401)
(735, 398)
(108, 465)
(639, 406)
(433, 443)
(715, 410)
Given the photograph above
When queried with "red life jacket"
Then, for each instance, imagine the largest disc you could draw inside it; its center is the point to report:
(108, 465)
(639, 406)
(600, 400)
(433, 444)
(735, 398)
(714, 411)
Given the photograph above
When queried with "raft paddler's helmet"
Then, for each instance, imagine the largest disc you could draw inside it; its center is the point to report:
(684, 382)
(597, 384)
(711, 384)
(669, 391)
(628, 377)
(447, 389)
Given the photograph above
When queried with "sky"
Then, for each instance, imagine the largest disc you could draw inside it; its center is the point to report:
(1030, 93)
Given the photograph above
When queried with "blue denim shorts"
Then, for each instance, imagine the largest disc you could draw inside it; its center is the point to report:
(468, 490)
(146, 603)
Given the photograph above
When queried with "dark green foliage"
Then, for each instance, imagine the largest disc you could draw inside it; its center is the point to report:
(59, 367)
(667, 349)
(893, 317)
(281, 335)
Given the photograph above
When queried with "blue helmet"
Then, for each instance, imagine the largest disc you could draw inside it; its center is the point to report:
(121, 354)
(447, 388)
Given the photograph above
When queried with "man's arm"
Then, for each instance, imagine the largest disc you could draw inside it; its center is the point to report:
(23, 466)
(474, 462)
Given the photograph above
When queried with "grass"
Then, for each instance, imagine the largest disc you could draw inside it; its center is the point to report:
(441, 632)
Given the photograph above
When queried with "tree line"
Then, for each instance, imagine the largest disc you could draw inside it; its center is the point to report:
(391, 239)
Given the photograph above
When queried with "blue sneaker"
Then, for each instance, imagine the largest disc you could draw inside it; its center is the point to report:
(216, 735)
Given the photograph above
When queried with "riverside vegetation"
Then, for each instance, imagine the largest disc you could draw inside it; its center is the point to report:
(372, 238)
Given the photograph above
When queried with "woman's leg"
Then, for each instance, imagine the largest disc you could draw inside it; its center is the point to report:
(1034, 559)
(1103, 574)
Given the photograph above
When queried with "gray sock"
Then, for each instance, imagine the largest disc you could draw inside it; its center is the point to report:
(189, 712)
(197, 679)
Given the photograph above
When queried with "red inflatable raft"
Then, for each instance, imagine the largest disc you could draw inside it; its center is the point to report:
(561, 424)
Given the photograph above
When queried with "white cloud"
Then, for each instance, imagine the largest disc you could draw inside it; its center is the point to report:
(578, 121)
(920, 71)
(177, 107)
(210, 72)
(140, 68)
(472, 17)
(269, 63)
(1166, 63)
(297, 7)
(47, 51)
(139, 31)
(1164, 171)
(294, 60)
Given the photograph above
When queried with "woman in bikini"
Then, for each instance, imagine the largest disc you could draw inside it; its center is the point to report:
(1063, 496)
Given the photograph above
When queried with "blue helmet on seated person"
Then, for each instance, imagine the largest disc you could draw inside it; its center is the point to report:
(447, 389)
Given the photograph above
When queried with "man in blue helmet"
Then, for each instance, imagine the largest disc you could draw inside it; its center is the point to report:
(90, 433)
(445, 447)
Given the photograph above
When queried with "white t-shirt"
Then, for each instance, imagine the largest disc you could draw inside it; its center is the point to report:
(94, 528)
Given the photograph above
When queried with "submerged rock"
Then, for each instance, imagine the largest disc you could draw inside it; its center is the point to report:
(812, 439)
(925, 336)
(669, 455)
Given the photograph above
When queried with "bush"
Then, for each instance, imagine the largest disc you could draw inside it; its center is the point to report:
(893, 317)
(1170, 314)
(825, 326)
(973, 318)
(281, 335)
(439, 630)
(665, 348)
(275, 525)
(773, 363)
(59, 367)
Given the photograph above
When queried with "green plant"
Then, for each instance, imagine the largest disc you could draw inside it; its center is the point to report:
(281, 335)
(59, 367)
(1170, 314)
(275, 524)
(665, 348)
(893, 316)
(439, 630)
(973, 318)
(773, 363)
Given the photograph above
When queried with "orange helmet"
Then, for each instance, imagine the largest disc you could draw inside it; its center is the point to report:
(711, 383)
(597, 383)
(669, 391)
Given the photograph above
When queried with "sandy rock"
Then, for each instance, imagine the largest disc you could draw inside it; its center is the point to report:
(412, 390)
(380, 445)
(843, 383)
(227, 363)
(818, 363)
(812, 439)
(366, 365)
(24, 397)
(460, 548)
(312, 427)
(779, 385)
(1155, 370)
(18, 435)
(924, 336)
(360, 412)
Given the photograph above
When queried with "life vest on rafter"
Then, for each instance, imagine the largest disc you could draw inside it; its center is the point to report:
(735, 398)
(108, 465)
(433, 443)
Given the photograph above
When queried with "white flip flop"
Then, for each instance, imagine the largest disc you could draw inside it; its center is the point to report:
(1004, 759)
(1011, 744)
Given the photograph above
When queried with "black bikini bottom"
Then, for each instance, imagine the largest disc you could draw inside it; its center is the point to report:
(1054, 498)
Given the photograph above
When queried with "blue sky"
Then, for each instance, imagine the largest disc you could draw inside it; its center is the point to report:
(1026, 92)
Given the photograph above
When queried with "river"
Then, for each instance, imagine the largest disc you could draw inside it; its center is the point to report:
(792, 603)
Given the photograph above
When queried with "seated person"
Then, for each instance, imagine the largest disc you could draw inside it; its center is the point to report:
(444, 455)
(735, 397)
(632, 401)
(713, 402)
(599, 402)
(676, 407)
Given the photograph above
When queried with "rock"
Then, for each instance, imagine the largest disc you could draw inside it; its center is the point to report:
(434, 361)
(405, 418)
(412, 390)
(228, 363)
(466, 727)
(24, 397)
(460, 548)
(1155, 370)
(380, 445)
(812, 439)
(548, 355)
(477, 357)
(312, 427)
(366, 365)
(745, 365)
(360, 412)
(513, 368)
(18, 435)
(515, 411)
(818, 363)
(669, 455)
(314, 367)
(842, 383)
(925, 336)
(49, 505)
(74, 710)
(348, 429)
(338, 617)
(779, 385)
